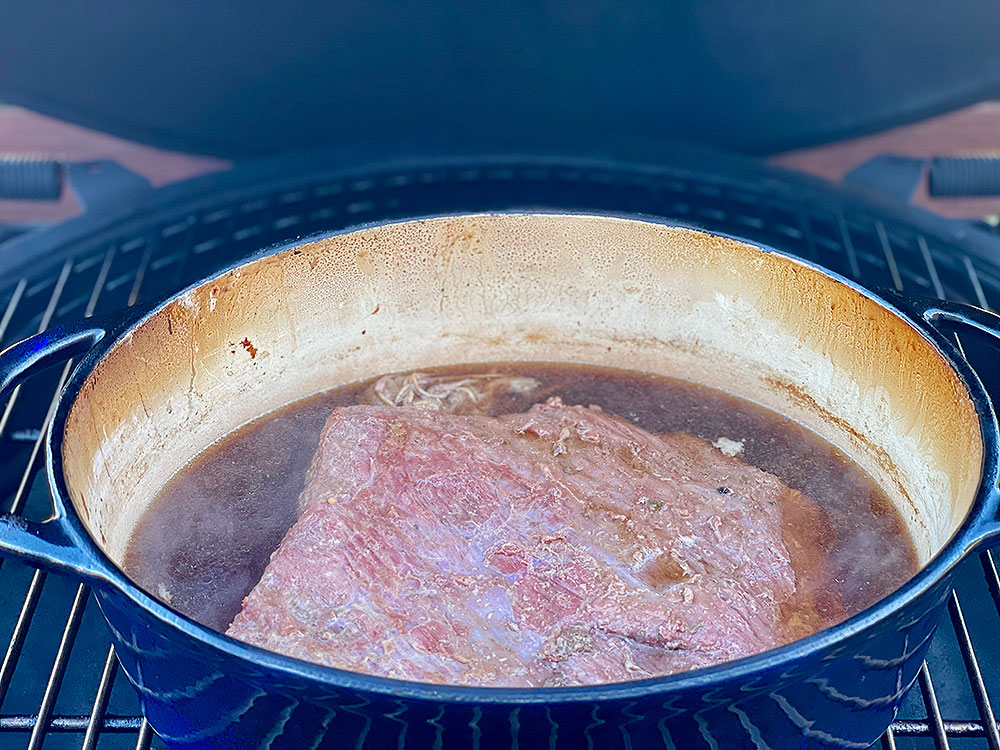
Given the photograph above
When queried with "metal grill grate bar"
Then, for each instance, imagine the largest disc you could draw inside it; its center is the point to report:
(807, 233)
(925, 728)
(58, 668)
(992, 576)
(890, 256)
(934, 720)
(145, 736)
(28, 475)
(102, 278)
(20, 632)
(140, 274)
(845, 238)
(977, 284)
(15, 300)
(42, 326)
(975, 674)
(932, 273)
(71, 723)
(97, 720)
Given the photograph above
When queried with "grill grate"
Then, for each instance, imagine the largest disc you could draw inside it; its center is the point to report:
(60, 685)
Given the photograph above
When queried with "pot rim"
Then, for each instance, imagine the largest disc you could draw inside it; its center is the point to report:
(965, 539)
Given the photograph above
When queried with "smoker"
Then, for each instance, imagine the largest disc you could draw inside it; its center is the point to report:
(374, 114)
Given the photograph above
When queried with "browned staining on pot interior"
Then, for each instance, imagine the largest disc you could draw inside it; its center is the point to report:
(460, 240)
(251, 349)
(798, 396)
(176, 316)
(365, 263)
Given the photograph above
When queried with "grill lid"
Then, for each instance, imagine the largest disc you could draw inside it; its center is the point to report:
(238, 80)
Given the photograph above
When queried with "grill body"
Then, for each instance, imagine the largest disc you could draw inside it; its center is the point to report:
(102, 264)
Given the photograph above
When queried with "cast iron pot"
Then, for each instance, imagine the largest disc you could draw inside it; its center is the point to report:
(875, 377)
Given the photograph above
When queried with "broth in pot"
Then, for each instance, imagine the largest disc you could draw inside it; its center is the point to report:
(530, 524)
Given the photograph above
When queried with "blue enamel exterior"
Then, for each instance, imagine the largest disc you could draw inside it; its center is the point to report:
(842, 696)
(838, 688)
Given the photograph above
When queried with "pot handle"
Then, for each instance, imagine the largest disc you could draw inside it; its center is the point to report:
(35, 353)
(956, 315)
(49, 544)
(944, 316)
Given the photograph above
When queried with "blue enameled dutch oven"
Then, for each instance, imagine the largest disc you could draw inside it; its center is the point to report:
(876, 377)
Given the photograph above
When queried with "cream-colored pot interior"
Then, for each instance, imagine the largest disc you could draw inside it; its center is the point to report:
(487, 288)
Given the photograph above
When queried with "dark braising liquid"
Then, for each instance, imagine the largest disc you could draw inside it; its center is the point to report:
(206, 539)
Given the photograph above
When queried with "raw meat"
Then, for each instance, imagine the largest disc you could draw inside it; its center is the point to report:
(561, 546)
